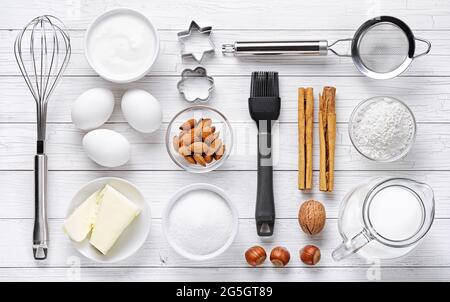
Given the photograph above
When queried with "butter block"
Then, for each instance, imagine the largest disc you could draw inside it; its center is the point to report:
(81, 222)
(114, 214)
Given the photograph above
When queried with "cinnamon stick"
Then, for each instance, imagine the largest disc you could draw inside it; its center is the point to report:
(301, 139)
(327, 135)
(309, 112)
(331, 137)
(305, 137)
(322, 145)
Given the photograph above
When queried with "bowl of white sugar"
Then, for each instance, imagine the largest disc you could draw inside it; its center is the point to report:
(382, 129)
(200, 222)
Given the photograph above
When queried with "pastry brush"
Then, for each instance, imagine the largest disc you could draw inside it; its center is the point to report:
(264, 106)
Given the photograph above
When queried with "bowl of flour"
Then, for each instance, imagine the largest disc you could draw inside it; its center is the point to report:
(200, 222)
(382, 129)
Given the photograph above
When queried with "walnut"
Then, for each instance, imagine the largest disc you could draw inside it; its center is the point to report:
(312, 217)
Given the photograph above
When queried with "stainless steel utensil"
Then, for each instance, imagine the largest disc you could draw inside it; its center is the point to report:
(382, 47)
(194, 83)
(42, 51)
(194, 28)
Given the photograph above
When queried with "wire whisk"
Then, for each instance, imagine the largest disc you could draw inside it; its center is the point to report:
(42, 50)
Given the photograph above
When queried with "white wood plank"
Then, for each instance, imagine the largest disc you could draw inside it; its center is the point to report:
(424, 87)
(238, 14)
(429, 97)
(16, 244)
(158, 186)
(169, 62)
(430, 151)
(304, 274)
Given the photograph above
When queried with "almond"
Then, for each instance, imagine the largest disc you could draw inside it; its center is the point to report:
(200, 160)
(176, 143)
(208, 158)
(200, 123)
(207, 131)
(198, 147)
(220, 151)
(184, 151)
(189, 138)
(198, 130)
(206, 122)
(211, 138)
(190, 159)
(189, 124)
(215, 145)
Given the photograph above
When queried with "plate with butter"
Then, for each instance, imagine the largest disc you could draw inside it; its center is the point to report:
(108, 219)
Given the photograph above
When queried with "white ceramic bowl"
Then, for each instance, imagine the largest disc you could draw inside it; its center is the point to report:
(152, 54)
(176, 197)
(134, 235)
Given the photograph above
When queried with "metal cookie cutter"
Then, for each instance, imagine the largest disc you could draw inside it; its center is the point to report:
(185, 35)
(195, 85)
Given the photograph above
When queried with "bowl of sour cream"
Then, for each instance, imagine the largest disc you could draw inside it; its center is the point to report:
(121, 45)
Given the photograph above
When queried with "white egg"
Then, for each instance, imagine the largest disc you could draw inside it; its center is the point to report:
(141, 110)
(107, 147)
(92, 108)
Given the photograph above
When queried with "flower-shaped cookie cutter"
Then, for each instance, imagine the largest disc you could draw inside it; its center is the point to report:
(195, 85)
(183, 36)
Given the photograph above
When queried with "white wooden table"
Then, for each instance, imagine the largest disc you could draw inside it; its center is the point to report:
(425, 87)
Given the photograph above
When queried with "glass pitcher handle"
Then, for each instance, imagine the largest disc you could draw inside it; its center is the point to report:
(351, 246)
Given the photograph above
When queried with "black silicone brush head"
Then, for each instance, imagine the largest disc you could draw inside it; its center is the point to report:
(264, 84)
(264, 102)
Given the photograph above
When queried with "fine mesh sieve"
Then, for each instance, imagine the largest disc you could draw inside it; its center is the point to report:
(382, 47)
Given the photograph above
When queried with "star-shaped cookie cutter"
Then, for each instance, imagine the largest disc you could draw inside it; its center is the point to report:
(183, 35)
(185, 90)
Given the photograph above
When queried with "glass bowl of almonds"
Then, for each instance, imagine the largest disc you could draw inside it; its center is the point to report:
(199, 139)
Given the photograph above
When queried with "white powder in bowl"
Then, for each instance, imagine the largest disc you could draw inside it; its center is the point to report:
(200, 222)
(382, 129)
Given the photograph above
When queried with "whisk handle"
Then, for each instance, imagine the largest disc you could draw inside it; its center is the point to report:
(40, 232)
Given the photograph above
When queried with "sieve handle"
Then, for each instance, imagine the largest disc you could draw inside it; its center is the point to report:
(317, 48)
(428, 47)
(330, 47)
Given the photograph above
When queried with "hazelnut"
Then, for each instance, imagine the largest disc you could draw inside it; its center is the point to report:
(310, 255)
(255, 255)
(312, 217)
(280, 256)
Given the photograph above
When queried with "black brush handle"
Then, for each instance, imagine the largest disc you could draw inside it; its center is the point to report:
(265, 205)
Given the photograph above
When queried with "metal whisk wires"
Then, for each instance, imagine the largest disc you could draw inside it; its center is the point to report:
(42, 50)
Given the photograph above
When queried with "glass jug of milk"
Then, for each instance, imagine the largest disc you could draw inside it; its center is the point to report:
(385, 218)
